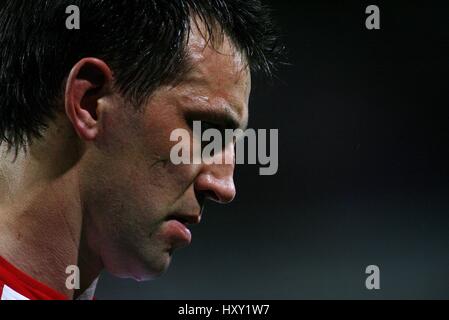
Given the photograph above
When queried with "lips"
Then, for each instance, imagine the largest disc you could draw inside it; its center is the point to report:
(176, 229)
(178, 233)
(185, 219)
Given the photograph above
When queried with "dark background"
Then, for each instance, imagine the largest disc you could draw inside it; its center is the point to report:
(363, 176)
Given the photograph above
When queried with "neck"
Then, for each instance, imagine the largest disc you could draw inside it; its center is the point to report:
(42, 231)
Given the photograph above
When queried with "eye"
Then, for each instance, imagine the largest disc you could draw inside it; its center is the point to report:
(205, 125)
(219, 124)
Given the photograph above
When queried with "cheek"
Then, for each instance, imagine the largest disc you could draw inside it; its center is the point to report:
(152, 186)
(162, 175)
(143, 160)
(180, 177)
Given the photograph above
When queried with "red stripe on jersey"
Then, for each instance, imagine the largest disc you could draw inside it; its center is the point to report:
(24, 284)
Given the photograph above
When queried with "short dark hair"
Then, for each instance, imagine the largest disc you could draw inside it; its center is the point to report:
(143, 41)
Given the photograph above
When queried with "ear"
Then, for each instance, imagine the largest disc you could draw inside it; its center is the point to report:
(89, 80)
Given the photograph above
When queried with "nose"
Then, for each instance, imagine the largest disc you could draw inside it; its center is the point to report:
(216, 181)
(221, 190)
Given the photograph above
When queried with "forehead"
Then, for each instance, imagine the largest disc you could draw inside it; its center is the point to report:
(218, 72)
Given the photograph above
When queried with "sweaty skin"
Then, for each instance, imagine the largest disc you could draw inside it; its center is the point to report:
(99, 191)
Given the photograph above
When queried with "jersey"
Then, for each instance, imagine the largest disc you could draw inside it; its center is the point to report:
(17, 285)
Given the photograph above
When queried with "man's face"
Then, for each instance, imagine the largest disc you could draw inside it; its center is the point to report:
(136, 200)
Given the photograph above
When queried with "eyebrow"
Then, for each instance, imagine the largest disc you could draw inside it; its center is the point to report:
(228, 115)
(232, 118)
(224, 114)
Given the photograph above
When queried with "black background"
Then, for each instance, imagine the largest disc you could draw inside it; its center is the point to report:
(363, 168)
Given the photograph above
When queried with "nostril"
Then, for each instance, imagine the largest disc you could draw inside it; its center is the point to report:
(210, 195)
(221, 190)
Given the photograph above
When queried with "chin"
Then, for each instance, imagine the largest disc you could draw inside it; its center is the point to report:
(139, 274)
(140, 269)
(150, 269)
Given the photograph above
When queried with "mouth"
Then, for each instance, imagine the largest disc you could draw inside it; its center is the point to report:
(177, 230)
(185, 219)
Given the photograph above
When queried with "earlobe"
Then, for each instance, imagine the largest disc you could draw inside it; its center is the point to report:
(89, 80)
